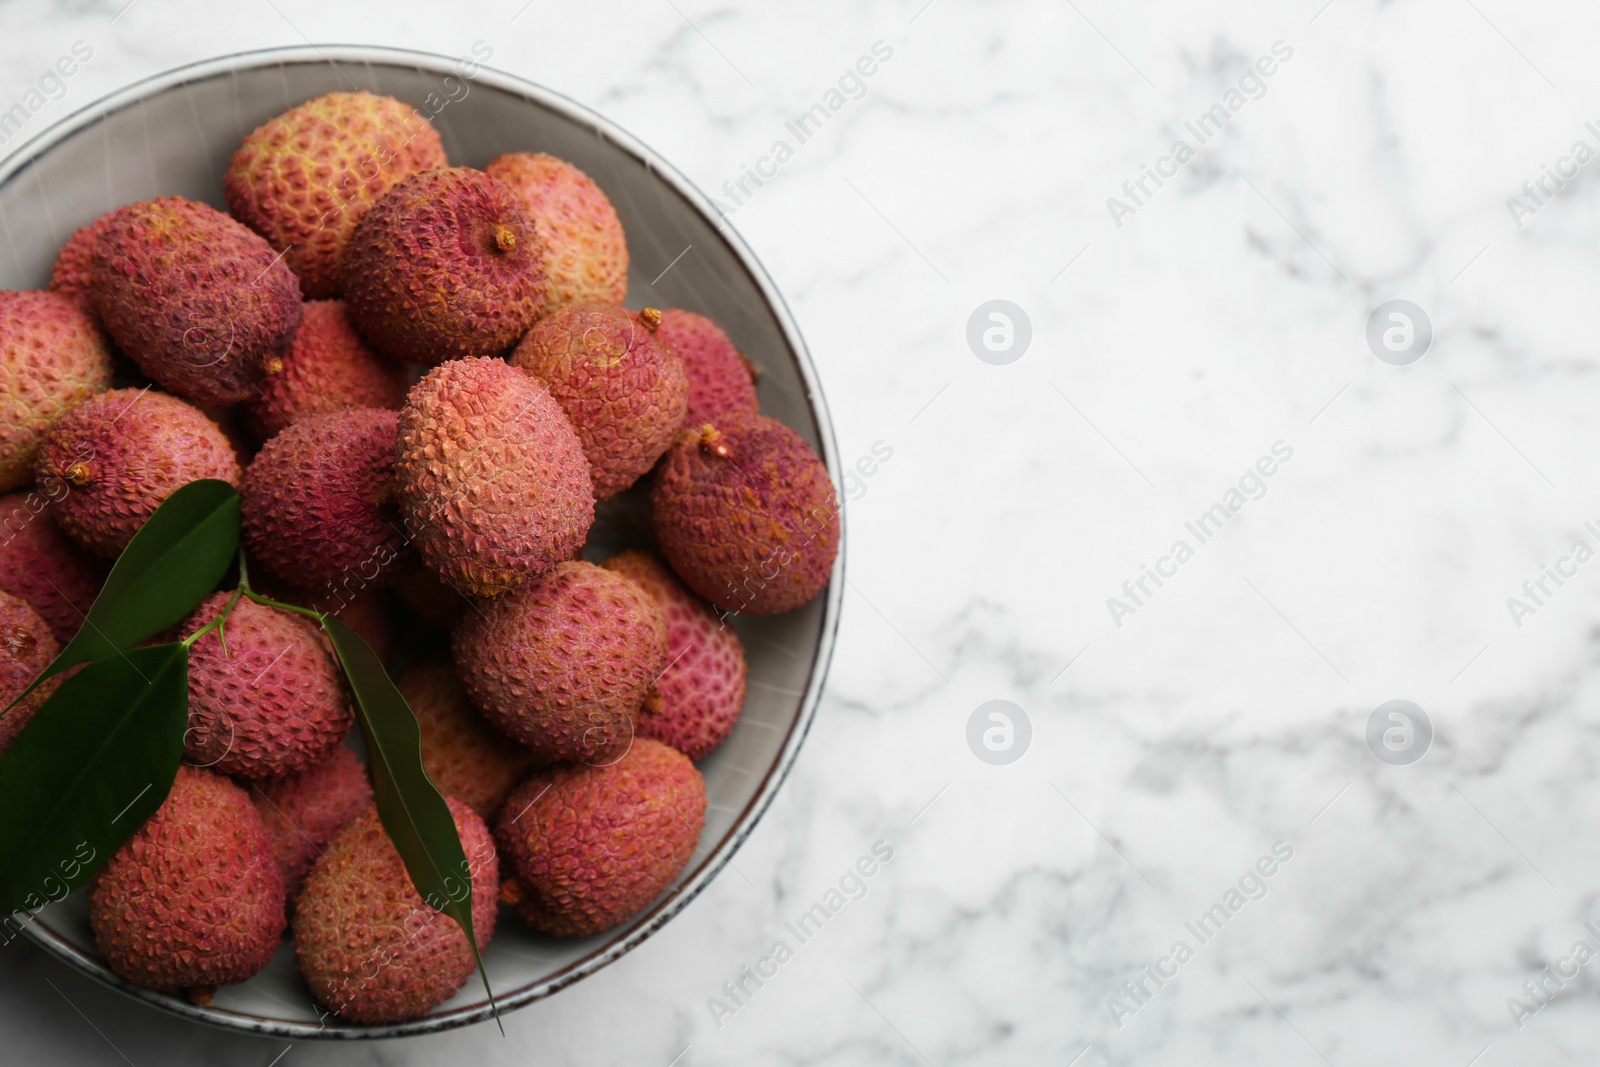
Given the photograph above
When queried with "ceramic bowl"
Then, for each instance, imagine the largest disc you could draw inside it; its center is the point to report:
(174, 134)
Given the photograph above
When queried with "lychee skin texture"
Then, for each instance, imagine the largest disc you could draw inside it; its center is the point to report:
(623, 394)
(463, 755)
(587, 253)
(195, 899)
(26, 648)
(367, 944)
(702, 689)
(72, 274)
(274, 703)
(52, 358)
(303, 179)
(202, 304)
(586, 848)
(328, 368)
(493, 484)
(303, 812)
(747, 516)
(40, 565)
(721, 385)
(120, 455)
(318, 507)
(446, 266)
(563, 663)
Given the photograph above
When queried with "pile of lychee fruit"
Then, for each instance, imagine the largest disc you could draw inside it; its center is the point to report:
(421, 378)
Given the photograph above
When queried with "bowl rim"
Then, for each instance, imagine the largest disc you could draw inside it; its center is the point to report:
(18, 162)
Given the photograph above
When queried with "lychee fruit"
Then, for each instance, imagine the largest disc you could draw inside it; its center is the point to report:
(269, 703)
(746, 515)
(702, 688)
(562, 663)
(327, 368)
(26, 648)
(368, 945)
(195, 899)
(303, 180)
(493, 484)
(464, 756)
(722, 382)
(304, 812)
(118, 456)
(446, 266)
(318, 507)
(39, 564)
(586, 251)
(586, 848)
(203, 305)
(52, 358)
(623, 394)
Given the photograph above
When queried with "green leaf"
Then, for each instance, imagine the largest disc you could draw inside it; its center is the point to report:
(90, 767)
(177, 558)
(410, 806)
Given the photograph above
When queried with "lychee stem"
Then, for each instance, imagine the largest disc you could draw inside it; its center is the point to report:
(216, 624)
(78, 474)
(651, 317)
(713, 441)
(505, 239)
(281, 606)
(244, 588)
(274, 365)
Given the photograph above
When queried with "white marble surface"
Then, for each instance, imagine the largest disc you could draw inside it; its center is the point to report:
(1229, 713)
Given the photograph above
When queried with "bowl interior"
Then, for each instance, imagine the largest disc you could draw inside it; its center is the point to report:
(175, 134)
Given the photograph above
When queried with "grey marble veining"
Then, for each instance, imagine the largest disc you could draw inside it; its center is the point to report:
(1396, 152)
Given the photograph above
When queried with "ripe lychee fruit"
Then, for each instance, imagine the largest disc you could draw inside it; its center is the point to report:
(702, 689)
(116, 457)
(328, 368)
(195, 899)
(446, 266)
(624, 395)
(493, 484)
(587, 253)
(41, 565)
(464, 756)
(272, 702)
(746, 515)
(318, 508)
(586, 848)
(26, 648)
(303, 179)
(304, 812)
(202, 304)
(563, 662)
(52, 358)
(722, 382)
(368, 945)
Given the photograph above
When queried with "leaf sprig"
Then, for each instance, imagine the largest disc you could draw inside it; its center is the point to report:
(100, 755)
